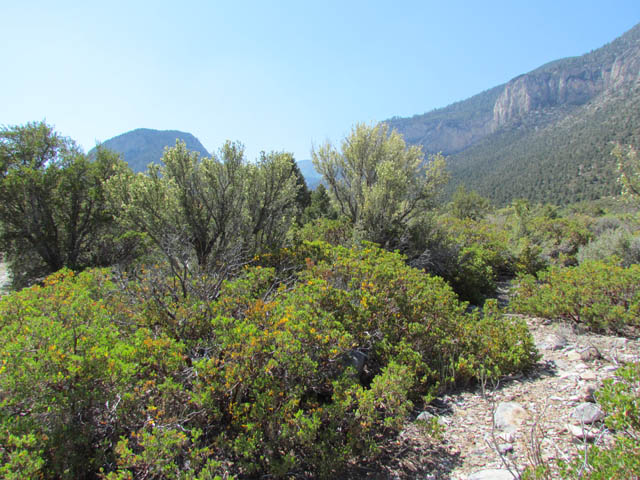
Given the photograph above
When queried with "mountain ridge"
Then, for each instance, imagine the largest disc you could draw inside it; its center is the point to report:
(141, 146)
(521, 116)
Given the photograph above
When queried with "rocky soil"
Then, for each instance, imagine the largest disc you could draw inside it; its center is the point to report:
(496, 431)
(552, 409)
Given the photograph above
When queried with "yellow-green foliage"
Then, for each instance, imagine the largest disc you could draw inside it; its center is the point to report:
(479, 254)
(264, 379)
(603, 296)
(77, 372)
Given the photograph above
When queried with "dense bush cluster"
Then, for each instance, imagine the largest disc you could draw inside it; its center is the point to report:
(270, 378)
(602, 296)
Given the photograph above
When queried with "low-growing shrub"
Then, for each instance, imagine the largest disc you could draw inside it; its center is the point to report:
(313, 374)
(602, 296)
(76, 373)
(469, 254)
(272, 377)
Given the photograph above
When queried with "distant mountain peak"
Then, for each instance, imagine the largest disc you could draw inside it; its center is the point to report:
(142, 146)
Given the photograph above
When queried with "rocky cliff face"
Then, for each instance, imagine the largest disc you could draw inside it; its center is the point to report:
(535, 98)
(570, 82)
(534, 92)
(546, 135)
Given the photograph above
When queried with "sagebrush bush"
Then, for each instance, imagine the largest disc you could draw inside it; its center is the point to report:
(539, 235)
(602, 296)
(618, 243)
(605, 223)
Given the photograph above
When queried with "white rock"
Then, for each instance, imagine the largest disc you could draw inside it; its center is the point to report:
(588, 375)
(580, 433)
(573, 356)
(554, 341)
(425, 417)
(620, 341)
(491, 474)
(590, 354)
(509, 415)
(508, 437)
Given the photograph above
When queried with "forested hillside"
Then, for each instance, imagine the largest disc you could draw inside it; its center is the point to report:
(546, 135)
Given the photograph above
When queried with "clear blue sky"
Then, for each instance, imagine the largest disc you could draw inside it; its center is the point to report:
(275, 75)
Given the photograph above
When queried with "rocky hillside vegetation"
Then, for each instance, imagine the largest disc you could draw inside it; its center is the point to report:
(202, 320)
(546, 135)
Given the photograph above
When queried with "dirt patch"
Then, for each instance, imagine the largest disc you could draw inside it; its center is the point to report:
(574, 363)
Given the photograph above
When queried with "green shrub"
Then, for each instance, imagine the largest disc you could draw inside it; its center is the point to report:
(540, 236)
(602, 296)
(529, 257)
(272, 377)
(503, 344)
(76, 373)
(20, 457)
(469, 254)
(166, 453)
(333, 231)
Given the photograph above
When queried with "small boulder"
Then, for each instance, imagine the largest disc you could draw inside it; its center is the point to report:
(508, 437)
(355, 359)
(590, 354)
(581, 433)
(491, 474)
(554, 341)
(573, 356)
(586, 392)
(425, 417)
(509, 415)
(587, 413)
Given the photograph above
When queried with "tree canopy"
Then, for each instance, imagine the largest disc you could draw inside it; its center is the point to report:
(206, 214)
(378, 182)
(628, 169)
(52, 204)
